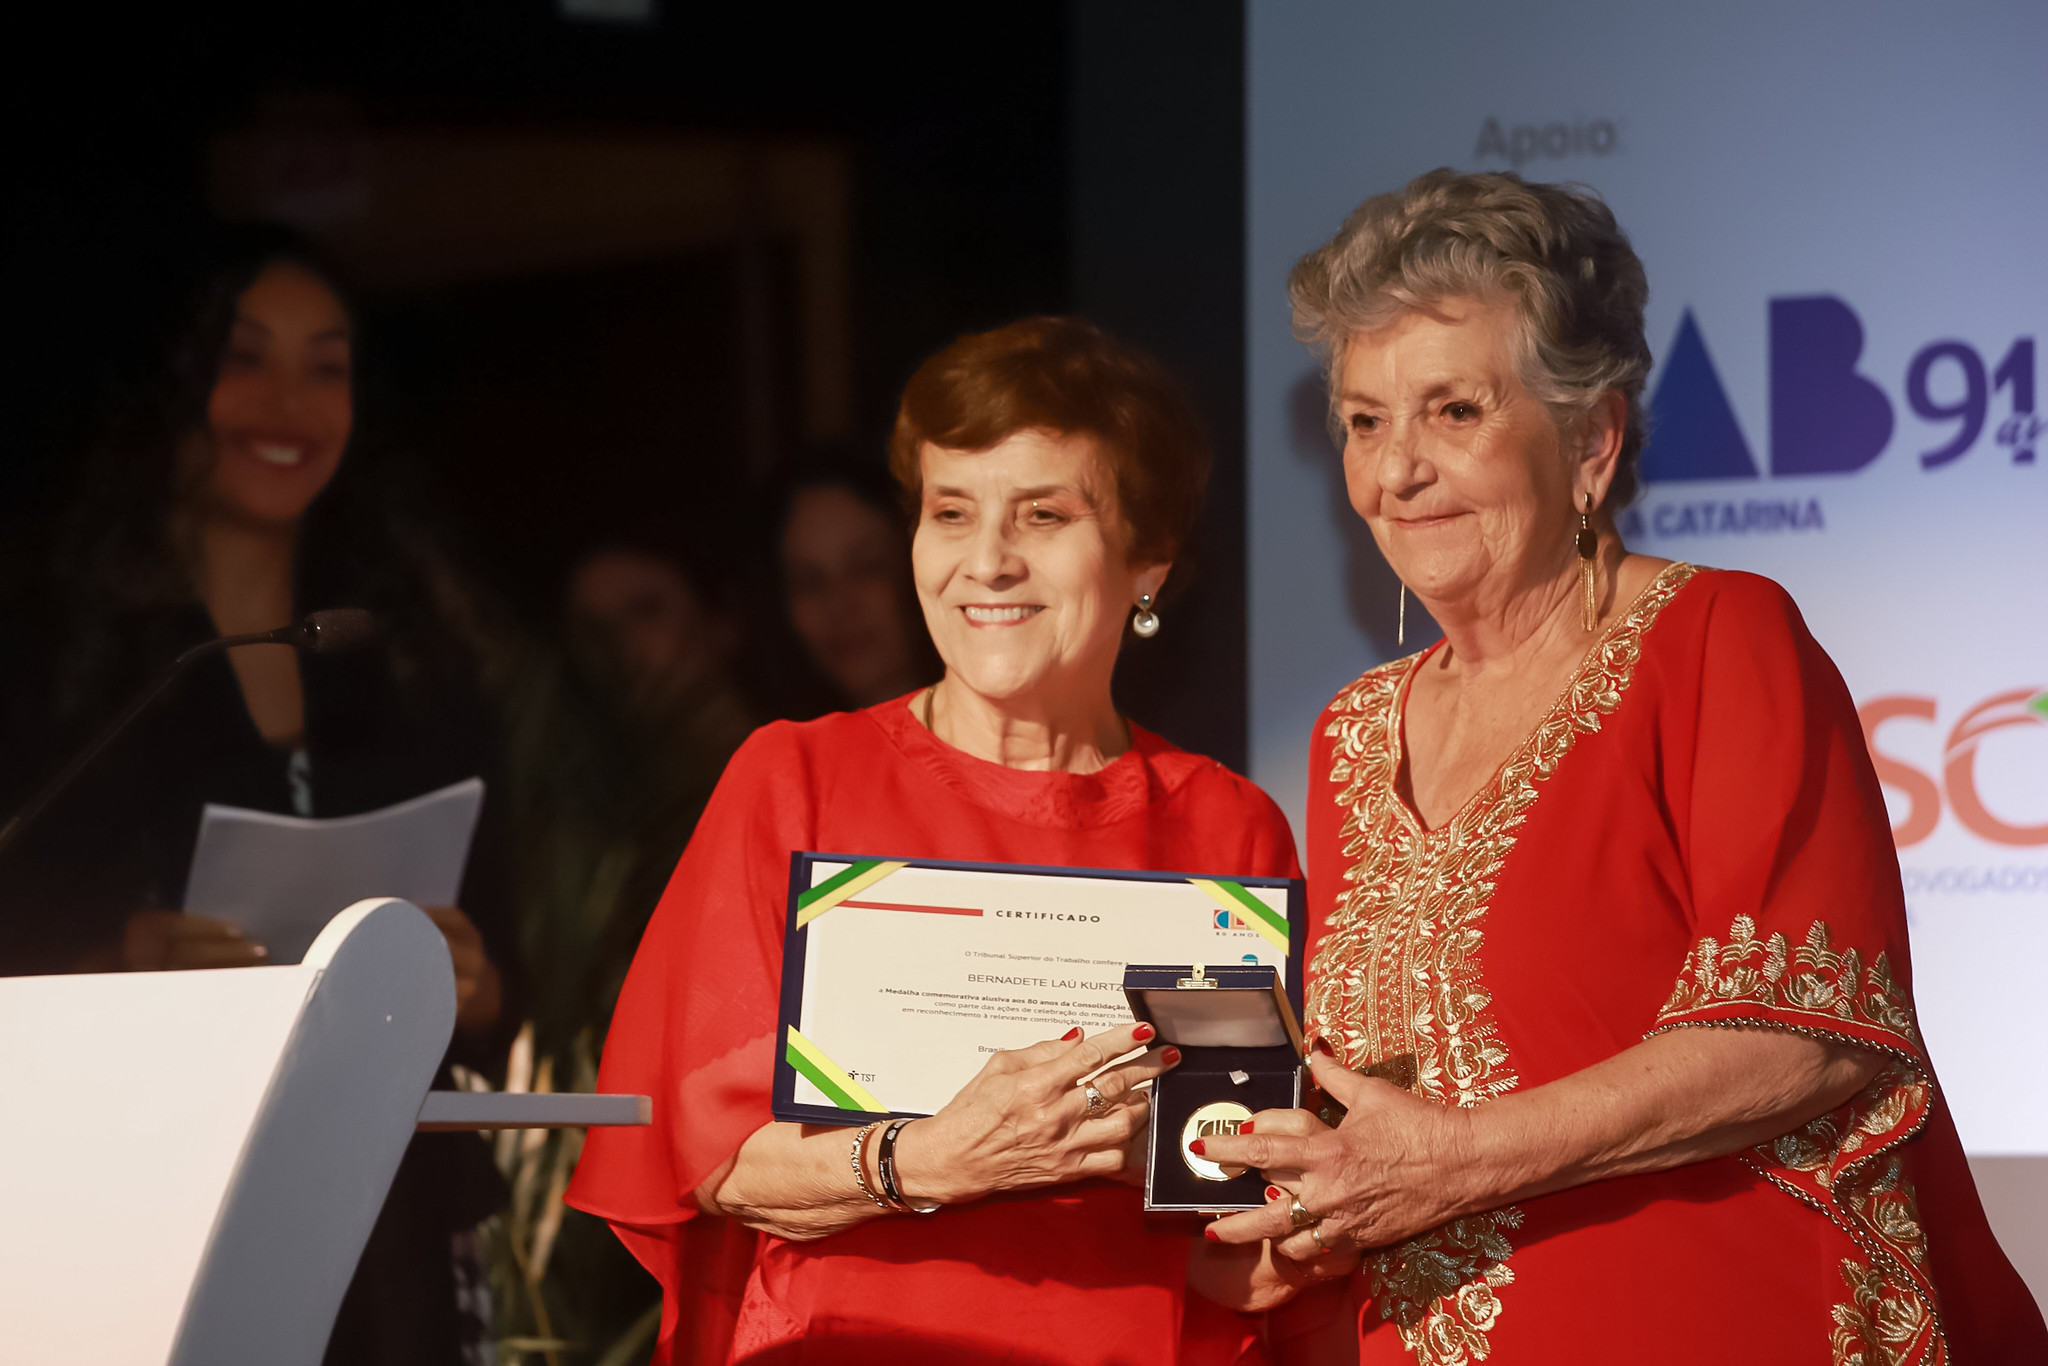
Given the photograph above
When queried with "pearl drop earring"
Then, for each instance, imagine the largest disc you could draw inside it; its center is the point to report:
(1146, 621)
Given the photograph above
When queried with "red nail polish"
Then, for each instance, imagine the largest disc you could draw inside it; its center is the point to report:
(1143, 1032)
(1274, 1192)
(1071, 1035)
(1323, 1047)
(1169, 1055)
(1209, 1232)
(1198, 1148)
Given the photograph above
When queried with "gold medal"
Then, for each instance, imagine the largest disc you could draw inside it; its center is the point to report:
(1217, 1117)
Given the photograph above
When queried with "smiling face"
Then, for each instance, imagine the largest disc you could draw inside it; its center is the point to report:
(1020, 569)
(1460, 472)
(283, 404)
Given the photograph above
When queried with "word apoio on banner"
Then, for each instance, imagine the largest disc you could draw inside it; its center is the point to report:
(1924, 796)
(1826, 416)
(1525, 142)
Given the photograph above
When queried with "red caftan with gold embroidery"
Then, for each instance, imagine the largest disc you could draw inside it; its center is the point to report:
(1693, 836)
(1070, 1274)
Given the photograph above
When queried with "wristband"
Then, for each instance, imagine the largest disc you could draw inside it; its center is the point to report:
(885, 1164)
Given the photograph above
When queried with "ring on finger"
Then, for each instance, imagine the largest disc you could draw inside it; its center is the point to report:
(1096, 1104)
(1299, 1215)
(1315, 1235)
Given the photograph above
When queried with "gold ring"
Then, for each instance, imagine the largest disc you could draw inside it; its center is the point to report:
(1299, 1215)
(1315, 1235)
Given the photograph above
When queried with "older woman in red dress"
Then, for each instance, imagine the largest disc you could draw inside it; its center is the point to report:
(1604, 879)
(1055, 476)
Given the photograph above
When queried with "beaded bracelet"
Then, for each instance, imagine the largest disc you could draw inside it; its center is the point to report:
(885, 1165)
(860, 1143)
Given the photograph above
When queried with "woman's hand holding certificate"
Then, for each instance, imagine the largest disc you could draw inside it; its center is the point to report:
(1037, 1116)
(1027, 1119)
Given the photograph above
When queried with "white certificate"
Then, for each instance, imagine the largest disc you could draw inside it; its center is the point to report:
(902, 976)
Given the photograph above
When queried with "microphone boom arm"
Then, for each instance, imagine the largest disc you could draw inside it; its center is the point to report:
(332, 630)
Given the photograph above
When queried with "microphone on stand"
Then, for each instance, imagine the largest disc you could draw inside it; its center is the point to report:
(332, 631)
(329, 632)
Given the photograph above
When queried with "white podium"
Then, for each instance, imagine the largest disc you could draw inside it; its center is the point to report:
(190, 1162)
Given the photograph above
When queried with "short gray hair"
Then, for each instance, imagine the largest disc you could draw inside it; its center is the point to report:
(1556, 250)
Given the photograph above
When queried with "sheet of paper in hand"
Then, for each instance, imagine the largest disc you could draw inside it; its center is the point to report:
(282, 878)
(901, 976)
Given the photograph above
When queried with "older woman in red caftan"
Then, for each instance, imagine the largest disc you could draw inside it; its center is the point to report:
(1604, 879)
(1055, 477)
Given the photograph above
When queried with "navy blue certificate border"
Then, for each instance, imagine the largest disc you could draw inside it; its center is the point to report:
(796, 944)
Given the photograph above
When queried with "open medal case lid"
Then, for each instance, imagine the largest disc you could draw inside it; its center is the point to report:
(1202, 1006)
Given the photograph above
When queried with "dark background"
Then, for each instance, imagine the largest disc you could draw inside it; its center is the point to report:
(998, 161)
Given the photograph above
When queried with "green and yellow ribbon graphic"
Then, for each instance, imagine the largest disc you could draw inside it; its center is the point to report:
(1263, 918)
(848, 882)
(828, 1076)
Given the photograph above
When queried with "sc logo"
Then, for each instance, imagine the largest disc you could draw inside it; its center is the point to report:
(2020, 707)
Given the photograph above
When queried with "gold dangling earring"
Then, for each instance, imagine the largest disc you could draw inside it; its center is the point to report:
(1401, 620)
(1589, 548)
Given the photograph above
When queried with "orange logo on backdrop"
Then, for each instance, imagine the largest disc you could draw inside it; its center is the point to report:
(2020, 707)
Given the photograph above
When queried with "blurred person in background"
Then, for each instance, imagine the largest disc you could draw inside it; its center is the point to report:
(643, 714)
(843, 559)
(665, 634)
(239, 496)
(617, 732)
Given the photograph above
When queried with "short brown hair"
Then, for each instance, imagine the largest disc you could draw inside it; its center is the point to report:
(1556, 250)
(1068, 376)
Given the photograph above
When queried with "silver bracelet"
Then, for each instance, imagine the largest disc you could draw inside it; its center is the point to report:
(860, 1143)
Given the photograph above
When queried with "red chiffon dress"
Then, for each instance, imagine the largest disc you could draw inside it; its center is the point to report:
(1693, 836)
(1070, 1275)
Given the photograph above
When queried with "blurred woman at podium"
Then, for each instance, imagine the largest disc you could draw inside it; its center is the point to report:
(239, 497)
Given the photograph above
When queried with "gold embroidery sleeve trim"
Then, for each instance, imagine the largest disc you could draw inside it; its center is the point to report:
(1813, 985)
(1846, 1164)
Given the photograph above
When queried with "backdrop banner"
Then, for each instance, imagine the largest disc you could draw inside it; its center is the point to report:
(1843, 208)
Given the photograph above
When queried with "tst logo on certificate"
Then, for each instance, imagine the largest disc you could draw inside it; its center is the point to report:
(901, 976)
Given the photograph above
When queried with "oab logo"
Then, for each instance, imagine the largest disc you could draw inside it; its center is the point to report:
(1826, 416)
(2021, 707)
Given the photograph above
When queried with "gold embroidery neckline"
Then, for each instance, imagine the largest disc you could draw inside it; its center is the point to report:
(1397, 730)
(1399, 969)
